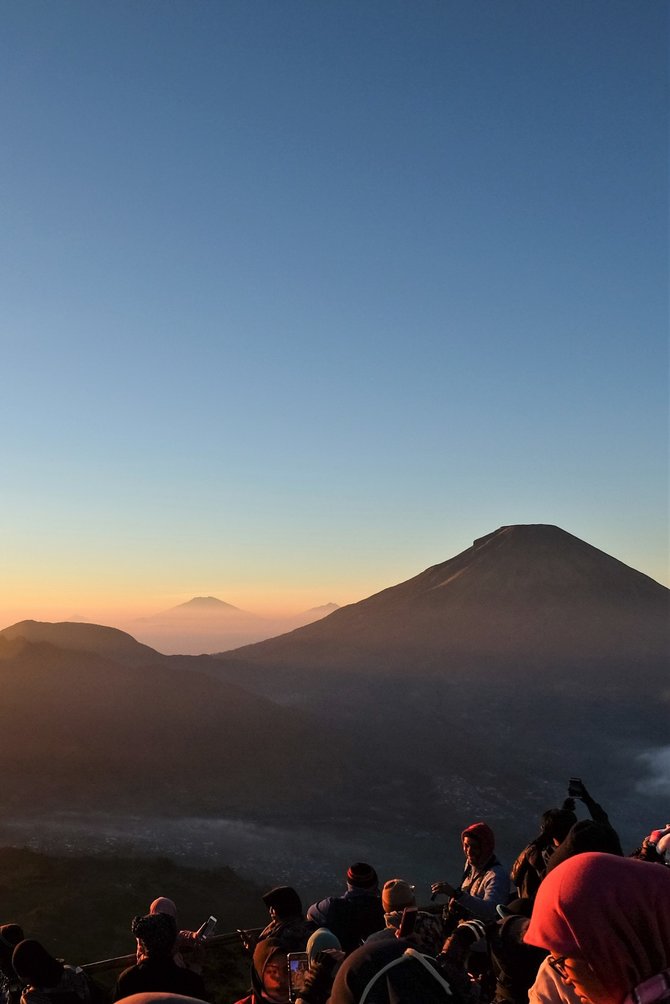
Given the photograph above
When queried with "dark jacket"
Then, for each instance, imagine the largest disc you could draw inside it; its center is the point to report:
(351, 918)
(160, 975)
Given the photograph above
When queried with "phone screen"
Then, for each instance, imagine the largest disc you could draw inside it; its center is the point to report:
(298, 967)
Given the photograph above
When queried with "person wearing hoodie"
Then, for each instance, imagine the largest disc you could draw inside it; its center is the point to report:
(606, 922)
(46, 980)
(269, 975)
(485, 883)
(288, 927)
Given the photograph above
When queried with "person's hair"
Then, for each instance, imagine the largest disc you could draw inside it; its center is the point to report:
(156, 932)
(557, 823)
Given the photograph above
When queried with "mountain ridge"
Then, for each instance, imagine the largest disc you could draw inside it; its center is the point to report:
(521, 596)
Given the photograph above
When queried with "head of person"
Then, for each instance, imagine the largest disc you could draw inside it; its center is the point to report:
(33, 965)
(321, 940)
(164, 905)
(586, 835)
(555, 824)
(605, 920)
(396, 895)
(283, 902)
(269, 973)
(362, 876)
(478, 844)
(156, 934)
(10, 936)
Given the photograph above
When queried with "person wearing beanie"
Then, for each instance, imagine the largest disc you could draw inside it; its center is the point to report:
(288, 927)
(397, 895)
(156, 935)
(46, 980)
(355, 915)
(484, 884)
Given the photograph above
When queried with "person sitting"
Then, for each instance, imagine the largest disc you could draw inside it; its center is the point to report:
(606, 922)
(654, 847)
(186, 941)
(355, 915)
(47, 980)
(485, 883)
(269, 975)
(397, 895)
(288, 927)
(157, 934)
(10, 988)
(532, 863)
(324, 957)
(391, 971)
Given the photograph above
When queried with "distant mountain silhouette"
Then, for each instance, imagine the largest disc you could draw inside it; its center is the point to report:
(206, 624)
(208, 605)
(84, 637)
(523, 599)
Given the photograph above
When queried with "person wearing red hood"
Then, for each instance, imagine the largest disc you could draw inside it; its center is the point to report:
(606, 921)
(485, 882)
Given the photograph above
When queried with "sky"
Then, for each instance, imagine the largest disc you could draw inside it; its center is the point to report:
(301, 297)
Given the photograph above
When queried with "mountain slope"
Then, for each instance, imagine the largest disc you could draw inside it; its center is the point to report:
(519, 599)
(80, 729)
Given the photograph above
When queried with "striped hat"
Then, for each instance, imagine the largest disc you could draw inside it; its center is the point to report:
(362, 876)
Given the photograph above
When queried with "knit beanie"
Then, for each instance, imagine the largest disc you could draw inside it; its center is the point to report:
(362, 876)
(397, 894)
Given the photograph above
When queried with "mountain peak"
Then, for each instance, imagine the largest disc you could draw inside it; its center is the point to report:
(206, 603)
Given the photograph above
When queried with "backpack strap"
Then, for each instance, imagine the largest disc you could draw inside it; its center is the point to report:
(409, 953)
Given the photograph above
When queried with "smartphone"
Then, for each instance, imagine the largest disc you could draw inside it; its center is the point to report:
(408, 921)
(298, 967)
(206, 930)
(575, 787)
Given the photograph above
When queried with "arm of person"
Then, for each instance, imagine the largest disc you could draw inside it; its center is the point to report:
(596, 812)
(318, 913)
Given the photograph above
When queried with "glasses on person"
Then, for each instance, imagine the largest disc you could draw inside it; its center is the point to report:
(557, 963)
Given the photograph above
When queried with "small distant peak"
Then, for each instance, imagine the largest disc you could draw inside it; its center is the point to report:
(325, 608)
(205, 603)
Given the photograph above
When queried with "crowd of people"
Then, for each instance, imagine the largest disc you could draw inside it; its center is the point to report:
(574, 921)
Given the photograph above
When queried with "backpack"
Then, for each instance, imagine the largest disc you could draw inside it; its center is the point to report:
(409, 978)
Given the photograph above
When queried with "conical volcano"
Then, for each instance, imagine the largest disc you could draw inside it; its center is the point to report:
(526, 598)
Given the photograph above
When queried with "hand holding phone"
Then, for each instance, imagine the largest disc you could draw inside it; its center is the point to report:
(408, 922)
(206, 930)
(298, 967)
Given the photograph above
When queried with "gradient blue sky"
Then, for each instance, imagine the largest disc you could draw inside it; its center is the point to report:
(301, 297)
